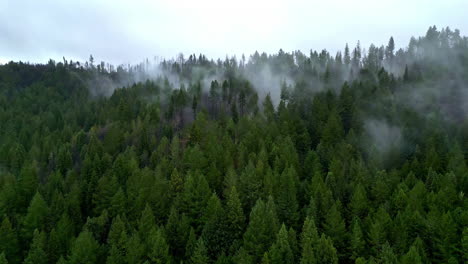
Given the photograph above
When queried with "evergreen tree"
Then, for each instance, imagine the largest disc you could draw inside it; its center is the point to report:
(85, 249)
(390, 49)
(195, 197)
(235, 218)
(199, 255)
(309, 242)
(3, 259)
(359, 203)
(387, 255)
(146, 223)
(37, 252)
(158, 248)
(335, 228)
(35, 218)
(326, 252)
(191, 244)
(280, 251)
(177, 229)
(263, 225)
(465, 244)
(411, 257)
(9, 242)
(134, 249)
(287, 204)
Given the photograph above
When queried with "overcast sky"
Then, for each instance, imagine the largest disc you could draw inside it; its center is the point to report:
(130, 31)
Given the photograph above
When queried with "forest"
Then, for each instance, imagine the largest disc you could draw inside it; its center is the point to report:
(359, 157)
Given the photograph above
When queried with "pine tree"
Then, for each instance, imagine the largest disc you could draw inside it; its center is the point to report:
(360, 260)
(242, 257)
(261, 230)
(465, 245)
(177, 230)
(194, 198)
(84, 250)
(177, 183)
(106, 188)
(411, 257)
(293, 243)
(200, 254)
(9, 241)
(347, 57)
(35, 217)
(191, 244)
(158, 248)
(27, 183)
(214, 232)
(37, 254)
(250, 184)
(335, 228)
(268, 108)
(326, 252)
(3, 259)
(389, 50)
(287, 204)
(134, 249)
(266, 259)
(359, 203)
(146, 223)
(378, 229)
(8, 195)
(280, 251)
(387, 255)
(309, 242)
(418, 244)
(235, 218)
(358, 243)
(116, 240)
(118, 203)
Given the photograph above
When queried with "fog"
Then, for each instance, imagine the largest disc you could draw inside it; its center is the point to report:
(123, 32)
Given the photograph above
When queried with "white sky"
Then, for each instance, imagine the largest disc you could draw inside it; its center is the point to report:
(130, 31)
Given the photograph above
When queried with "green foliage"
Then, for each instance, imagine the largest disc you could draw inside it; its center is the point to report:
(3, 259)
(85, 249)
(36, 216)
(371, 174)
(326, 252)
(8, 241)
(37, 252)
(200, 254)
(263, 225)
(158, 251)
(358, 243)
(309, 242)
(281, 251)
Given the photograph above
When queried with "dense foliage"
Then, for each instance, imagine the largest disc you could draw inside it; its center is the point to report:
(355, 158)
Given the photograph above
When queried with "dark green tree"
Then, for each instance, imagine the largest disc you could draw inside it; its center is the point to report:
(37, 253)
(281, 251)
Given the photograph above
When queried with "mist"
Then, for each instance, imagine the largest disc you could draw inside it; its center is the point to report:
(127, 33)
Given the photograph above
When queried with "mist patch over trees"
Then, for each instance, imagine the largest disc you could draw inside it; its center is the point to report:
(358, 157)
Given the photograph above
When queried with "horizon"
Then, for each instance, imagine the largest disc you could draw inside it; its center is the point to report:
(121, 33)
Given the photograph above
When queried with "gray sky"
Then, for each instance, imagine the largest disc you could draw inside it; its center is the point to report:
(130, 31)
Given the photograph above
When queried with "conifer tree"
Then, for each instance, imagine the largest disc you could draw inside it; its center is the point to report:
(36, 216)
(281, 251)
(200, 255)
(85, 249)
(309, 241)
(36, 253)
(8, 241)
(157, 246)
(326, 252)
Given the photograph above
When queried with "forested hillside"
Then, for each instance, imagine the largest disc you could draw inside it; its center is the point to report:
(358, 157)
